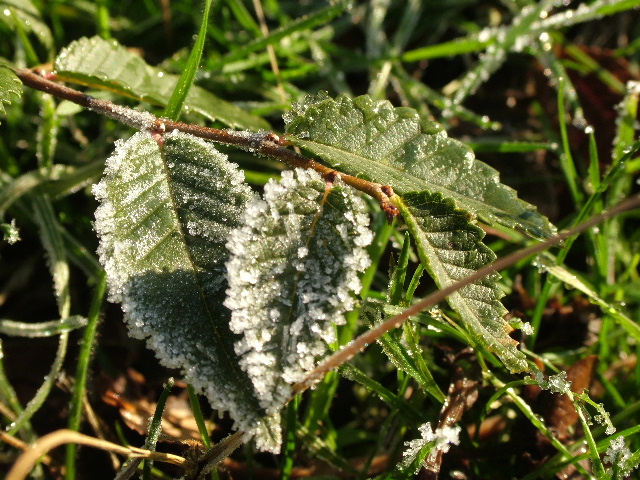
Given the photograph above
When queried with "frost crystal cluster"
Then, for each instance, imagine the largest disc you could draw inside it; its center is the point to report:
(619, 456)
(438, 441)
(292, 274)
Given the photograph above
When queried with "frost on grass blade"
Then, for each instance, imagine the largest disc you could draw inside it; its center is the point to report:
(294, 266)
(451, 248)
(430, 442)
(164, 216)
(393, 146)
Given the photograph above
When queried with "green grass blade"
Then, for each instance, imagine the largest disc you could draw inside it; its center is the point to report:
(399, 404)
(197, 415)
(566, 158)
(180, 92)
(41, 329)
(155, 427)
(447, 49)
(82, 371)
(312, 20)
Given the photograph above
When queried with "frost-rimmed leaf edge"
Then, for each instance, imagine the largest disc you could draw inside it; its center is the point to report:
(127, 288)
(272, 256)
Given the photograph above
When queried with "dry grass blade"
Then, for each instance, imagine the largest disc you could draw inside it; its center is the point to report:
(29, 458)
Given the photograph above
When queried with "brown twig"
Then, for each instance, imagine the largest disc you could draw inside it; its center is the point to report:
(262, 143)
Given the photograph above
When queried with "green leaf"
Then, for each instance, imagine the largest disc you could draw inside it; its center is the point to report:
(393, 147)
(451, 248)
(105, 64)
(9, 85)
(165, 212)
(293, 267)
(184, 84)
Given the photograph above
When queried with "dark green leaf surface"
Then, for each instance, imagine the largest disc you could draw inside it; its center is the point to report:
(10, 85)
(294, 265)
(165, 212)
(106, 64)
(451, 248)
(393, 147)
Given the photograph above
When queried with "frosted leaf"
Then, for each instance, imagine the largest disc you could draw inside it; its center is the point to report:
(164, 216)
(293, 269)
(394, 146)
(430, 443)
(450, 247)
(105, 64)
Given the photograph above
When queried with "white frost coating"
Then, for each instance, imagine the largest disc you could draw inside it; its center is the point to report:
(164, 216)
(292, 274)
(438, 441)
(619, 455)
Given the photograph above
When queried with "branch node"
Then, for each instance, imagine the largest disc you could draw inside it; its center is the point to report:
(331, 177)
(386, 192)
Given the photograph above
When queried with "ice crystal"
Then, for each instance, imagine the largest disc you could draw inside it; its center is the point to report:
(554, 383)
(439, 440)
(292, 274)
(10, 232)
(619, 456)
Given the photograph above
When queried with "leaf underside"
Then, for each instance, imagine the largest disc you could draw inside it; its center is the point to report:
(451, 248)
(164, 216)
(293, 267)
(9, 86)
(391, 146)
(105, 64)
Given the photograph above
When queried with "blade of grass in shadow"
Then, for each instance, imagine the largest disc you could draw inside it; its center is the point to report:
(49, 230)
(155, 427)
(399, 404)
(12, 403)
(566, 158)
(197, 415)
(41, 329)
(179, 95)
(524, 407)
(289, 439)
(573, 280)
(82, 372)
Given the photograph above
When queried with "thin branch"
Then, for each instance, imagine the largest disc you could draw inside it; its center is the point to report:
(261, 143)
(363, 341)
